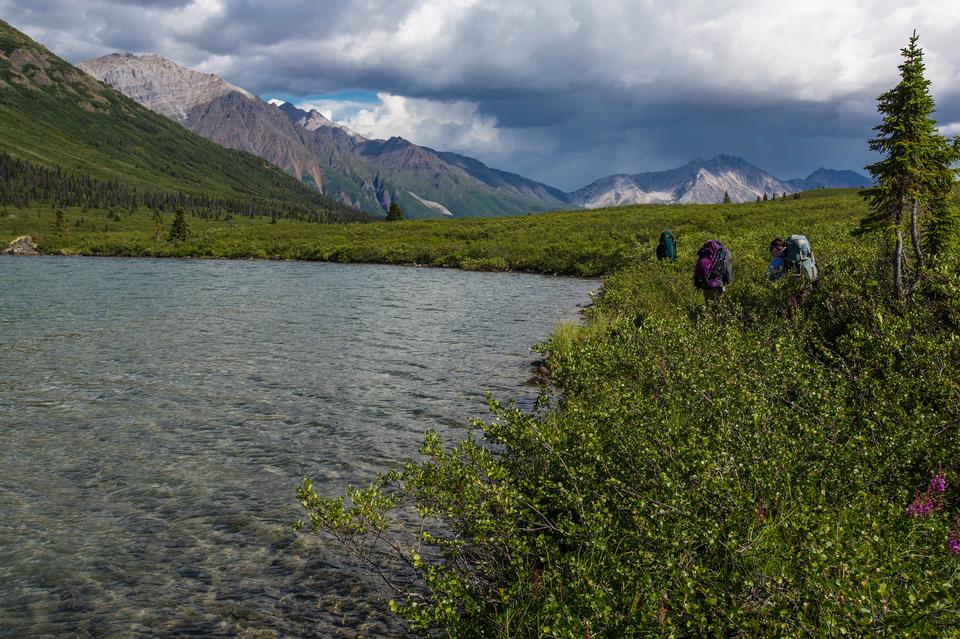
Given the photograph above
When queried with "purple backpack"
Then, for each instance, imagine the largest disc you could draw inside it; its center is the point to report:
(713, 268)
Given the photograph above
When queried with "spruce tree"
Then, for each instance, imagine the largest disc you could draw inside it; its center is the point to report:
(916, 171)
(726, 197)
(395, 213)
(60, 226)
(179, 231)
(940, 237)
(157, 225)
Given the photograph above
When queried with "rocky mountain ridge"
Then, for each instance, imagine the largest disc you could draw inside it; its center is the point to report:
(705, 182)
(159, 84)
(367, 174)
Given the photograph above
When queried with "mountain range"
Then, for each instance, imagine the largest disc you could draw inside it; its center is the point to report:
(54, 115)
(367, 174)
(370, 174)
(705, 182)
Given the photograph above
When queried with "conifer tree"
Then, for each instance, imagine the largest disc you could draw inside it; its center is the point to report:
(60, 226)
(916, 172)
(395, 213)
(179, 231)
(942, 228)
(765, 196)
(726, 197)
(157, 225)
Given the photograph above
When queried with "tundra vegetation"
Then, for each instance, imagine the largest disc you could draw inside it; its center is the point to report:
(782, 463)
(580, 243)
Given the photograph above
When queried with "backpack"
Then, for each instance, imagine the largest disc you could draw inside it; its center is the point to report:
(799, 258)
(667, 247)
(714, 267)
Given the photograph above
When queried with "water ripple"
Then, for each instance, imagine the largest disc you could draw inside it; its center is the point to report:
(156, 417)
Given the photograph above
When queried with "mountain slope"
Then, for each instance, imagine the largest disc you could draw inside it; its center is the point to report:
(169, 90)
(53, 114)
(369, 174)
(831, 179)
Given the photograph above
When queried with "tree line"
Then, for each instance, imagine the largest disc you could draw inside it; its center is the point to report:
(24, 184)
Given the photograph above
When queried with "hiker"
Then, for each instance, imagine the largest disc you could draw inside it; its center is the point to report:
(713, 271)
(667, 246)
(792, 255)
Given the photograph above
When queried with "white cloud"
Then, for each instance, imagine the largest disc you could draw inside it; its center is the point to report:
(333, 109)
(950, 129)
(427, 122)
(448, 126)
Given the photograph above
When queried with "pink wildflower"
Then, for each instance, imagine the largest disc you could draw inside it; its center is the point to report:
(953, 540)
(939, 483)
(953, 544)
(921, 506)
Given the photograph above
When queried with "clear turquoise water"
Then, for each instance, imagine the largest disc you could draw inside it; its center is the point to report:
(156, 417)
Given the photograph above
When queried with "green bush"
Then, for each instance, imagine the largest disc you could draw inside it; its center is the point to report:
(739, 470)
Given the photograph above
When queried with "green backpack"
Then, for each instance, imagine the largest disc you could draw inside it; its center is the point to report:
(667, 247)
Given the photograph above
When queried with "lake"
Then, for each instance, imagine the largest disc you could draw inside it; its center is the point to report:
(156, 417)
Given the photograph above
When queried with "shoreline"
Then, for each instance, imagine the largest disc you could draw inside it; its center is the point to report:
(598, 278)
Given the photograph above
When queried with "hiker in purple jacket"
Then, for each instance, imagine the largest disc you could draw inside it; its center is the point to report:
(713, 271)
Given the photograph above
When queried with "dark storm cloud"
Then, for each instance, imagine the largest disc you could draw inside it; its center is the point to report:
(151, 4)
(562, 90)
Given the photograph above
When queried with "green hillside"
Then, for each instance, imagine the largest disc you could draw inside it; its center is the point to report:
(54, 115)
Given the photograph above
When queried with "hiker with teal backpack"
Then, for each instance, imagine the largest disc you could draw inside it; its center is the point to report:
(713, 271)
(667, 246)
(792, 256)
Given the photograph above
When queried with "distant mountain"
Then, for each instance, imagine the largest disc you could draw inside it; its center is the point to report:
(700, 181)
(368, 174)
(830, 179)
(55, 115)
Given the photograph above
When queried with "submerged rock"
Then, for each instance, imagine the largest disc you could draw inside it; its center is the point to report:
(23, 245)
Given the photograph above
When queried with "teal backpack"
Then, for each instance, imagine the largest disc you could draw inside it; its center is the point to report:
(799, 258)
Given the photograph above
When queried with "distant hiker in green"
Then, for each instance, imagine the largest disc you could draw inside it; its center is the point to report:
(792, 255)
(667, 246)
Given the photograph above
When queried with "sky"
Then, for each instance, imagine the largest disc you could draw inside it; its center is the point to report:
(562, 91)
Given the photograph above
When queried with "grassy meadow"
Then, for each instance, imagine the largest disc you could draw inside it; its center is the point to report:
(582, 243)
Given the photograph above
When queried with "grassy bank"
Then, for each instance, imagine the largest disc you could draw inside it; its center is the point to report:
(586, 243)
(739, 470)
